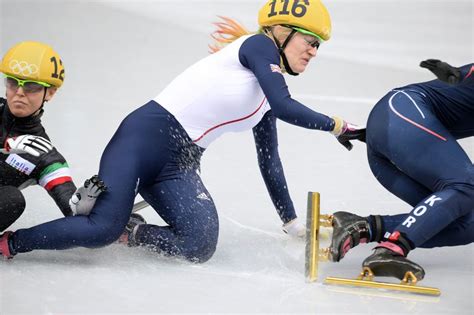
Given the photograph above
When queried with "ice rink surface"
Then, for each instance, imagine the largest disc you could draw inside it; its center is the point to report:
(120, 54)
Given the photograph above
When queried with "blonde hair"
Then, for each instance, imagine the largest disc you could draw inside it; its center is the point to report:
(227, 31)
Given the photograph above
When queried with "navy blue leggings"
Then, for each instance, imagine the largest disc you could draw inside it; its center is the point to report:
(417, 159)
(150, 154)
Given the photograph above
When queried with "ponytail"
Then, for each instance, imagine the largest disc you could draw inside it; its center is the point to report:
(227, 31)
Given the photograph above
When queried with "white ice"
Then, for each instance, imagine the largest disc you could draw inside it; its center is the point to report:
(120, 54)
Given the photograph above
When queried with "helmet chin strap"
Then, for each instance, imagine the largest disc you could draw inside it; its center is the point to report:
(281, 49)
(42, 103)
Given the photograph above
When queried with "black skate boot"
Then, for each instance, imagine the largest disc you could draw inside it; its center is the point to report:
(389, 259)
(5, 250)
(128, 235)
(349, 230)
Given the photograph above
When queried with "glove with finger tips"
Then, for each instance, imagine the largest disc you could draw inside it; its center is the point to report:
(27, 144)
(95, 186)
(83, 200)
(442, 70)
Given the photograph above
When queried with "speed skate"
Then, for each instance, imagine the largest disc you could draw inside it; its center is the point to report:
(314, 255)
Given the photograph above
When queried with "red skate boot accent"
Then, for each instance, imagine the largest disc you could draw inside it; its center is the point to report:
(389, 259)
(4, 247)
(350, 230)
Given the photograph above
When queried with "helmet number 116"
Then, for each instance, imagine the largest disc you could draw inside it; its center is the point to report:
(298, 9)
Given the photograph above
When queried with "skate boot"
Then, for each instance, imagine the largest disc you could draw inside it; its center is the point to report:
(389, 260)
(4, 246)
(349, 230)
(128, 235)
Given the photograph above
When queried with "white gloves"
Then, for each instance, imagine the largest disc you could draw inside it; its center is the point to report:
(84, 198)
(295, 228)
(34, 145)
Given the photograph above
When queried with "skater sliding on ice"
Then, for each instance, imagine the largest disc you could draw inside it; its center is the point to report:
(33, 72)
(413, 152)
(156, 150)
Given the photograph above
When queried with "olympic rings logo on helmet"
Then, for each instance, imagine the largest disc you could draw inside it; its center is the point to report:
(23, 68)
(34, 61)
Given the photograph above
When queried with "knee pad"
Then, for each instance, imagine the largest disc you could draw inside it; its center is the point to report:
(12, 205)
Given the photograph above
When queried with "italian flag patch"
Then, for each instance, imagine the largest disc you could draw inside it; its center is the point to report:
(54, 175)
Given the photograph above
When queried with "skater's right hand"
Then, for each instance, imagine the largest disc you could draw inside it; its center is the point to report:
(83, 200)
(27, 144)
(442, 70)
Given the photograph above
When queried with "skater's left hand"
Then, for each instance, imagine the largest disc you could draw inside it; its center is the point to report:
(295, 228)
(84, 198)
(345, 131)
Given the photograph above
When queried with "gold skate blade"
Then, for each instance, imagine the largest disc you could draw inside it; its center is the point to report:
(383, 285)
(312, 240)
(383, 294)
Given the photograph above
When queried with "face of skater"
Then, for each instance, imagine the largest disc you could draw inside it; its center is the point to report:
(25, 98)
(300, 49)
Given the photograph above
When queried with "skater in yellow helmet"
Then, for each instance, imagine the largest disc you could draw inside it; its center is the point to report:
(32, 72)
(283, 22)
(35, 68)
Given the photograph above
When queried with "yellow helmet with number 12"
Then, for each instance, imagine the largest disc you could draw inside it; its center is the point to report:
(307, 16)
(34, 61)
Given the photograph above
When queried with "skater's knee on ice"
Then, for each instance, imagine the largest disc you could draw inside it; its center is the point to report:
(12, 205)
(200, 254)
(201, 249)
(202, 240)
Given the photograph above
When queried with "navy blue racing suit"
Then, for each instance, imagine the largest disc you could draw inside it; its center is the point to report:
(413, 152)
(151, 154)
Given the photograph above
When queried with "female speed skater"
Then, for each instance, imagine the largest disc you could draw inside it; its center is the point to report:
(33, 74)
(156, 150)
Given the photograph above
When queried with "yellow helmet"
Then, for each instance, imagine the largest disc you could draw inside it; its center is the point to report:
(34, 61)
(307, 16)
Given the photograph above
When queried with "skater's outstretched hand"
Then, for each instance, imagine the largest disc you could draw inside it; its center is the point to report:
(442, 70)
(345, 131)
(295, 228)
(83, 200)
(27, 144)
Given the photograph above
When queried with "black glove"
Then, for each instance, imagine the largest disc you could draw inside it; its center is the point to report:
(345, 132)
(442, 70)
(352, 133)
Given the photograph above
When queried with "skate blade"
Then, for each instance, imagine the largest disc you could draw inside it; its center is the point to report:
(139, 206)
(404, 287)
(383, 294)
(314, 220)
